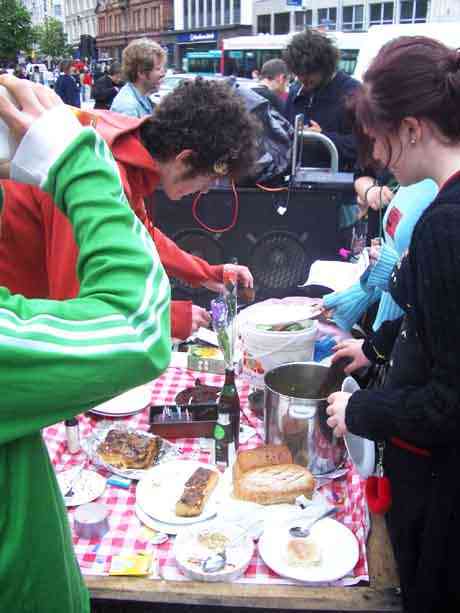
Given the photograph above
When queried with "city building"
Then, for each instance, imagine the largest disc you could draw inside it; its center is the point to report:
(120, 21)
(283, 16)
(199, 28)
(42, 9)
(80, 25)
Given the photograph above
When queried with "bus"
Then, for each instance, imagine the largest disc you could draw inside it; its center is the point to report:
(378, 35)
(202, 62)
(243, 54)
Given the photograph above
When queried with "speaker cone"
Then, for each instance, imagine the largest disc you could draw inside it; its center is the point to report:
(279, 259)
(202, 245)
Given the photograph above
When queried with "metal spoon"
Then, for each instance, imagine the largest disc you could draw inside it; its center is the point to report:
(304, 531)
(216, 561)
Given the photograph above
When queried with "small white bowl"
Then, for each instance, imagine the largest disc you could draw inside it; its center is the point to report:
(189, 552)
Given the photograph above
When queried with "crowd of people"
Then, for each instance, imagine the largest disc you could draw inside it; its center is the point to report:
(75, 234)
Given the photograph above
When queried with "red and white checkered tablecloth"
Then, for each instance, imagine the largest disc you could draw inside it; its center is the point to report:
(126, 533)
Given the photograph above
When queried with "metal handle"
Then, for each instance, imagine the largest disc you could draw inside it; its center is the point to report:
(301, 133)
(326, 141)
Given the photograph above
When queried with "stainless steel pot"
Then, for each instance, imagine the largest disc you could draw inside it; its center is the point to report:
(295, 415)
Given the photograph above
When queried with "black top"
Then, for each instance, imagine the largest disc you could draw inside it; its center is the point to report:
(326, 106)
(426, 285)
(104, 91)
(275, 100)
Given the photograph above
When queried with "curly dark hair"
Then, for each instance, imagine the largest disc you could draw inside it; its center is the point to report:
(211, 119)
(311, 51)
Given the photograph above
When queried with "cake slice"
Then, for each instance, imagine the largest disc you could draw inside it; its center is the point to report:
(197, 490)
(124, 449)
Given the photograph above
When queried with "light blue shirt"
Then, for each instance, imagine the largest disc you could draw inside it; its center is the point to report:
(129, 101)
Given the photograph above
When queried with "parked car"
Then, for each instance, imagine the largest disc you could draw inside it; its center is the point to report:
(170, 82)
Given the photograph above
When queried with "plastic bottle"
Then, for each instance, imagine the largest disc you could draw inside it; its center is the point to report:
(8, 144)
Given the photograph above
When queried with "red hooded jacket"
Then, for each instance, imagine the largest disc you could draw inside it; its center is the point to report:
(38, 252)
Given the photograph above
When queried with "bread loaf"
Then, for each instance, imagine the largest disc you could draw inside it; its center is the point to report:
(274, 484)
(267, 455)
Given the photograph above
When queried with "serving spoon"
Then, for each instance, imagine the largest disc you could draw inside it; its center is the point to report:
(216, 561)
(304, 531)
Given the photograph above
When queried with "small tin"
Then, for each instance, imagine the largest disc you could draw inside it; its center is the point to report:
(91, 521)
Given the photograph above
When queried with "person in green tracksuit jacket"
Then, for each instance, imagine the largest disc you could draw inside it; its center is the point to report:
(58, 359)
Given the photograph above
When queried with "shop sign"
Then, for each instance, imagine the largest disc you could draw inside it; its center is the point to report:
(196, 37)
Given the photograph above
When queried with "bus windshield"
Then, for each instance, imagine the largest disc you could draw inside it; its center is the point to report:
(244, 54)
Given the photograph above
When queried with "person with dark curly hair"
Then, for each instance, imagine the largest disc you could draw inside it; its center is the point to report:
(199, 133)
(319, 93)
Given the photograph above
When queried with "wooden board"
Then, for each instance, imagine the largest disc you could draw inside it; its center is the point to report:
(379, 597)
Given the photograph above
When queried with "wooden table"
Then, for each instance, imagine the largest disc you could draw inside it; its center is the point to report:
(380, 596)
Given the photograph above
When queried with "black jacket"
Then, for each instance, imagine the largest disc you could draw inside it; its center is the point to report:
(326, 106)
(275, 100)
(104, 91)
(421, 405)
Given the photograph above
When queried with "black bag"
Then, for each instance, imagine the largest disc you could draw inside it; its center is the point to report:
(275, 143)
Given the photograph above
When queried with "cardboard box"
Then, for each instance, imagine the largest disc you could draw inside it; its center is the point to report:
(206, 359)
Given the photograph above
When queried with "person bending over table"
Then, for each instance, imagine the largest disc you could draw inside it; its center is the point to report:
(200, 133)
(61, 358)
(409, 120)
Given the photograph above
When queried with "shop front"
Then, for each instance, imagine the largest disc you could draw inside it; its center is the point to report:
(199, 50)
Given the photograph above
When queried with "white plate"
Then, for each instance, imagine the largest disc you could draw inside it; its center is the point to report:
(89, 486)
(162, 486)
(190, 553)
(128, 403)
(361, 450)
(171, 529)
(338, 547)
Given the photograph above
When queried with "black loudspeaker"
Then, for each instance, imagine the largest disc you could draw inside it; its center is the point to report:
(278, 248)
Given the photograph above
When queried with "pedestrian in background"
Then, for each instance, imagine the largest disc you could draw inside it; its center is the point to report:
(273, 81)
(107, 86)
(66, 86)
(143, 65)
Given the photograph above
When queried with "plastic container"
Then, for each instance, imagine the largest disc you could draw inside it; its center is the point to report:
(264, 350)
(8, 144)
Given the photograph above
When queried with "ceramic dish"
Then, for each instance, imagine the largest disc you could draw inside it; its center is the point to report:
(88, 486)
(154, 524)
(196, 544)
(337, 545)
(130, 402)
(159, 490)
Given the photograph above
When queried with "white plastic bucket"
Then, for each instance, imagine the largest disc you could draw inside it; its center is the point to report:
(264, 350)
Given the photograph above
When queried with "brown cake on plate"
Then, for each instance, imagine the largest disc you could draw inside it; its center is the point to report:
(197, 490)
(125, 449)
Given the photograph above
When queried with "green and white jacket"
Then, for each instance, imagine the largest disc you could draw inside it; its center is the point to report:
(58, 359)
